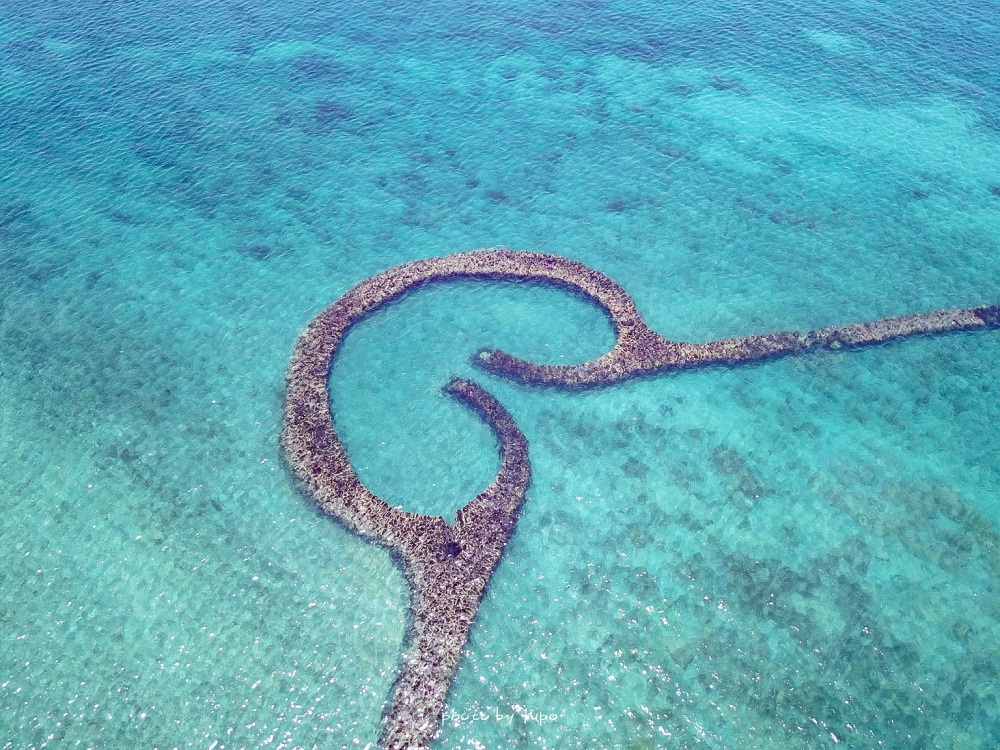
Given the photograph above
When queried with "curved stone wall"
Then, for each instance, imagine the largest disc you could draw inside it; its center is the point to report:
(448, 566)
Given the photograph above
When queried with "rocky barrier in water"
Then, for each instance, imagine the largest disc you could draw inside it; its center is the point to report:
(448, 566)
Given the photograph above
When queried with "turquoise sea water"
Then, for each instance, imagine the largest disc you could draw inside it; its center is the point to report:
(799, 554)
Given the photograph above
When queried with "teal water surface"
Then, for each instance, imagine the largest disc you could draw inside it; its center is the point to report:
(799, 554)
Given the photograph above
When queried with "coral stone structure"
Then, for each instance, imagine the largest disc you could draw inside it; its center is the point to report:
(448, 566)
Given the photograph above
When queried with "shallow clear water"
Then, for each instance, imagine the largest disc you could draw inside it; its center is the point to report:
(798, 554)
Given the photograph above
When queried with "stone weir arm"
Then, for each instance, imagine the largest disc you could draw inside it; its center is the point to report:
(640, 351)
(448, 573)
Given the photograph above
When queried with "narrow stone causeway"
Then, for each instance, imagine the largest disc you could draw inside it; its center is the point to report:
(448, 566)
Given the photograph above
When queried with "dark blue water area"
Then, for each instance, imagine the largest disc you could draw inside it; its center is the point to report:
(802, 553)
